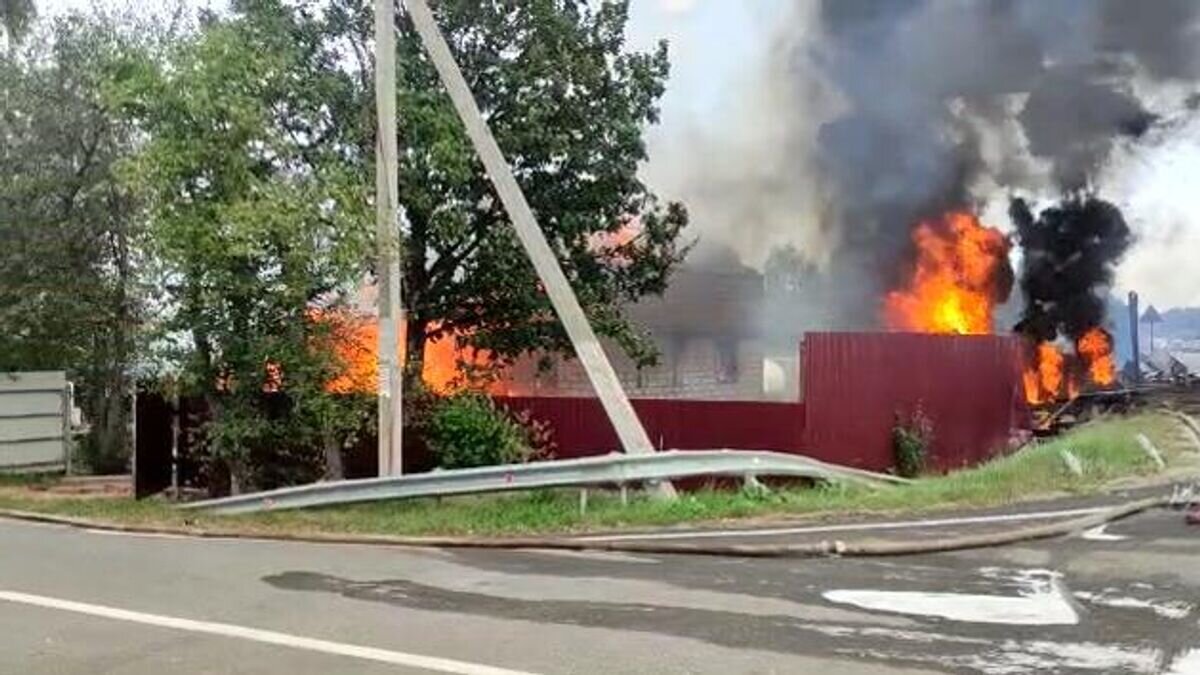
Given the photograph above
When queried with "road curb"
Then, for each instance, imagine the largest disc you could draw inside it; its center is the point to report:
(819, 549)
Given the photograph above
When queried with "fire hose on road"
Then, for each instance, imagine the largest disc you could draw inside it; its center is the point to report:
(823, 548)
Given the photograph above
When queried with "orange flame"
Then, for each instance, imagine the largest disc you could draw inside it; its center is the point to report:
(356, 344)
(954, 287)
(613, 247)
(1050, 368)
(443, 368)
(1095, 348)
(1043, 379)
(1033, 389)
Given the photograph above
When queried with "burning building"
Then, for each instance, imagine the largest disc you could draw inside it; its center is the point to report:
(903, 123)
(961, 272)
(709, 344)
(704, 326)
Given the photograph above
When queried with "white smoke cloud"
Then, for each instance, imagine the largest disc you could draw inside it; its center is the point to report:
(1155, 184)
(677, 6)
(746, 167)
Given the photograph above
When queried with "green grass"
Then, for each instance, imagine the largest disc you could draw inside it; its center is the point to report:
(27, 479)
(1106, 449)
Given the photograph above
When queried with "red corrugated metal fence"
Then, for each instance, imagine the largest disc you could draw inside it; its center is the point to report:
(581, 427)
(856, 384)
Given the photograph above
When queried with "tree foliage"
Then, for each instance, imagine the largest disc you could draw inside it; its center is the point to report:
(230, 163)
(568, 104)
(70, 232)
(468, 430)
(258, 211)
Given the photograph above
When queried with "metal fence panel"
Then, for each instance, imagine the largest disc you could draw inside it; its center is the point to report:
(582, 430)
(858, 384)
(34, 423)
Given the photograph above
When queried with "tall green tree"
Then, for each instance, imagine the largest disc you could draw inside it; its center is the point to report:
(259, 215)
(258, 165)
(69, 231)
(569, 105)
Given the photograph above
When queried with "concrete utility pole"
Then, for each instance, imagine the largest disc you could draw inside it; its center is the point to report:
(1133, 338)
(591, 354)
(388, 269)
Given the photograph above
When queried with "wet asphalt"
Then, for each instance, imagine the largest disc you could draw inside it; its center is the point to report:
(1122, 600)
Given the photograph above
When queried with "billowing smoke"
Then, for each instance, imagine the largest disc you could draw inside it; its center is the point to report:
(927, 85)
(1070, 255)
(868, 116)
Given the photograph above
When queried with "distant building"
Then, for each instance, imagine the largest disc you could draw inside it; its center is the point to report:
(709, 336)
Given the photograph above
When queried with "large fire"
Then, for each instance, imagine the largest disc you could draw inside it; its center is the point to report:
(961, 272)
(1048, 377)
(356, 342)
(1095, 348)
(1044, 376)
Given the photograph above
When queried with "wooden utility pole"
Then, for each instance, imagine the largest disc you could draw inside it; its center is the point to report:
(388, 236)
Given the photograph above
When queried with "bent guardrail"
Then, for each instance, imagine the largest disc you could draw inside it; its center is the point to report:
(612, 469)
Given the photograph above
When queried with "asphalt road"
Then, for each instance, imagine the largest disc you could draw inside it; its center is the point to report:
(1122, 600)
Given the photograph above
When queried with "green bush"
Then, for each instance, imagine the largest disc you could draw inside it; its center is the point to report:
(911, 440)
(467, 430)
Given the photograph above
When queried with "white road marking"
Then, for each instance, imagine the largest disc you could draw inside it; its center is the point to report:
(852, 527)
(603, 556)
(1098, 534)
(1041, 610)
(431, 663)
(140, 535)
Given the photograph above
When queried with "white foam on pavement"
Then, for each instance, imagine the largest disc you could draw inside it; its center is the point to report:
(1098, 534)
(1040, 603)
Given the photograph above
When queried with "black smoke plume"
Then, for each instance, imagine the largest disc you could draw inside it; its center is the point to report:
(1070, 253)
(919, 82)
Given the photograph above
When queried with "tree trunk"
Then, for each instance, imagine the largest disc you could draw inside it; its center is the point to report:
(235, 479)
(112, 439)
(334, 470)
(112, 427)
(416, 284)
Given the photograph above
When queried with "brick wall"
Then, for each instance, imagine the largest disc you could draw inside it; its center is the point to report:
(696, 367)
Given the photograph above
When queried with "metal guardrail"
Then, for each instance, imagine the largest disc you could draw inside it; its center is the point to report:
(612, 469)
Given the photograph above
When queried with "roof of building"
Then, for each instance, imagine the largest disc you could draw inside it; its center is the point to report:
(705, 301)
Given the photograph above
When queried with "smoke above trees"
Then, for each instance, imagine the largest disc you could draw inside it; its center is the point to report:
(866, 117)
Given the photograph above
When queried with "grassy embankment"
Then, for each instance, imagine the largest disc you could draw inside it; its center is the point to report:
(1107, 450)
